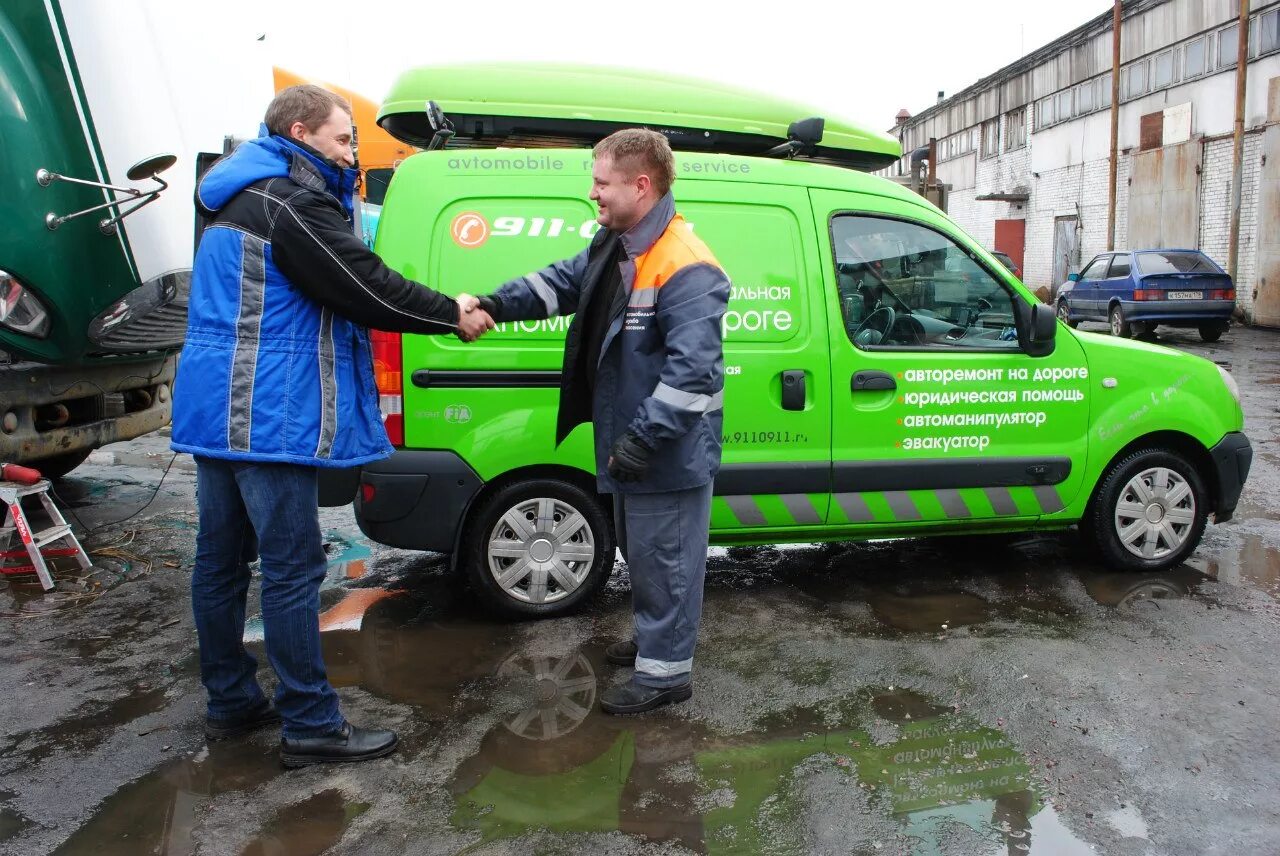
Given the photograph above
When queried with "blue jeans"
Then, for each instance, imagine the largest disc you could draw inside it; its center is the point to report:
(247, 509)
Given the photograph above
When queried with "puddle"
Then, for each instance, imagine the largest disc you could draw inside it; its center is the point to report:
(86, 727)
(1128, 821)
(309, 828)
(1255, 564)
(940, 776)
(11, 822)
(160, 812)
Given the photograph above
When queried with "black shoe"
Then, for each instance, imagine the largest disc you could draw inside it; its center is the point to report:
(637, 698)
(350, 744)
(622, 653)
(259, 717)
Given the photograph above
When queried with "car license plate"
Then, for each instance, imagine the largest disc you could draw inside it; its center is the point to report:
(1186, 295)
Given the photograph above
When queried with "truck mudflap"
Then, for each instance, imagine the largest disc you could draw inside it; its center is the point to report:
(1232, 457)
(30, 390)
(415, 499)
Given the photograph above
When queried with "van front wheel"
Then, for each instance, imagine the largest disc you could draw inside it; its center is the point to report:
(538, 548)
(1150, 511)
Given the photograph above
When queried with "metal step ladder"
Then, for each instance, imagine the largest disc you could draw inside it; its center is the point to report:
(15, 520)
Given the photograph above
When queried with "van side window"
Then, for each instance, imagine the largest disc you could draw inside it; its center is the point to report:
(902, 284)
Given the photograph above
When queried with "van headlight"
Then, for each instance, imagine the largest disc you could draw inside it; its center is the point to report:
(20, 310)
(1230, 382)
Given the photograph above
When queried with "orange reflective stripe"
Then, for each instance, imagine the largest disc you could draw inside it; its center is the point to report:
(676, 249)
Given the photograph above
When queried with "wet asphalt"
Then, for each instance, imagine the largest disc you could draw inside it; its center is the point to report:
(967, 695)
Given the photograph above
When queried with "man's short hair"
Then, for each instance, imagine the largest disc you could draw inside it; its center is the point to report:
(306, 103)
(639, 150)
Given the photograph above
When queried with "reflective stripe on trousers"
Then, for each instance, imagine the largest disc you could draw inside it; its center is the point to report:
(663, 538)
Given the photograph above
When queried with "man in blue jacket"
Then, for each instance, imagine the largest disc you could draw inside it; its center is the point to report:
(644, 364)
(276, 381)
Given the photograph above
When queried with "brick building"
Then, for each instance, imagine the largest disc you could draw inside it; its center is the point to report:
(1026, 151)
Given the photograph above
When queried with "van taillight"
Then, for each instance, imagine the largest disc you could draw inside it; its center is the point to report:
(1222, 294)
(388, 373)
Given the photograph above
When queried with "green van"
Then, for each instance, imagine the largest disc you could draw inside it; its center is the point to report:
(886, 376)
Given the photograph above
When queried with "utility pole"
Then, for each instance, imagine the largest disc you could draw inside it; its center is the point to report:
(1237, 154)
(1115, 125)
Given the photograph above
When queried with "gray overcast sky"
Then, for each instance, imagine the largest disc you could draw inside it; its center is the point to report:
(858, 60)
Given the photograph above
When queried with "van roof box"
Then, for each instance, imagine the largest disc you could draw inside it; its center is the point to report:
(531, 106)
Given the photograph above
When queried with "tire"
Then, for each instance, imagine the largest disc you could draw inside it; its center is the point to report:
(1119, 326)
(1123, 523)
(1064, 314)
(555, 585)
(60, 465)
(1210, 333)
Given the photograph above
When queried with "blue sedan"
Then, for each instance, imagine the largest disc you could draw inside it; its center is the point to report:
(1135, 292)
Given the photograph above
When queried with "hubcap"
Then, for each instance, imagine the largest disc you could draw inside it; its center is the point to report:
(1155, 514)
(1063, 312)
(541, 550)
(563, 693)
(1116, 323)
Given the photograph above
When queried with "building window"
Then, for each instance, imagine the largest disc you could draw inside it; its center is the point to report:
(1162, 70)
(1104, 91)
(1062, 109)
(1228, 46)
(991, 138)
(1015, 133)
(1133, 80)
(1193, 58)
(1268, 32)
(1085, 97)
(1044, 113)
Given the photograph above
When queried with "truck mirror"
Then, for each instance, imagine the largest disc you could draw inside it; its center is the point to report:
(151, 167)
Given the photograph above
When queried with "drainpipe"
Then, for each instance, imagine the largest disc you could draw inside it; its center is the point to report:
(1237, 154)
(933, 161)
(1115, 125)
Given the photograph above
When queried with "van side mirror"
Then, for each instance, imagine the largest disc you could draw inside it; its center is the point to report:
(1073, 277)
(1037, 326)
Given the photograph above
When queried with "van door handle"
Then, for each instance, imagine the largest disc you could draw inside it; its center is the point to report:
(793, 392)
(872, 381)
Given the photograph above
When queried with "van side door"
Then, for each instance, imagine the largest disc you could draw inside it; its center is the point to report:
(776, 470)
(940, 419)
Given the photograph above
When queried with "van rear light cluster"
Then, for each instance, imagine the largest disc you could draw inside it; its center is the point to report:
(1148, 294)
(1222, 294)
(388, 373)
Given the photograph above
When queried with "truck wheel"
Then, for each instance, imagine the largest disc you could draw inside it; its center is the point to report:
(1149, 512)
(1210, 333)
(538, 548)
(1119, 326)
(1064, 314)
(59, 465)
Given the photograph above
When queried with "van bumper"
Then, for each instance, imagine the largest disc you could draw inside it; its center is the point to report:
(1231, 459)
(1179, 312)
(415, 499)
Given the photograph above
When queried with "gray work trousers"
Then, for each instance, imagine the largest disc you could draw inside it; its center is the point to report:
(663, 538)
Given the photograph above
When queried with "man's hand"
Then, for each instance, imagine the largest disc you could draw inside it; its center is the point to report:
(629, 459)
(468, 303)
(472, 323)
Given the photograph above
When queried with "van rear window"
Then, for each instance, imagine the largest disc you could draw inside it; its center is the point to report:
(1169, 262)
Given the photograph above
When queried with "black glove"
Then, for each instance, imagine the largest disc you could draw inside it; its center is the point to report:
(629, 459)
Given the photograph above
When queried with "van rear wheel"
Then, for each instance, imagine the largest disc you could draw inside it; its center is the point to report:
(1150, 511)
(538, 548)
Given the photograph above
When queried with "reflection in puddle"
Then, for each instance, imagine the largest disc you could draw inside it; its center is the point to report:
(673, 780)
(309, 828)
(1256, 565)
(85, 728)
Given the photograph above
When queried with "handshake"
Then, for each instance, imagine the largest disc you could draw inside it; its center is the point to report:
(473, 321)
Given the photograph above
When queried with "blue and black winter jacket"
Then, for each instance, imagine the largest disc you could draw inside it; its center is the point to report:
(277, 364)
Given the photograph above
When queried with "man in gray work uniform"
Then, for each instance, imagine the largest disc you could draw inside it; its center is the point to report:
(644, 362)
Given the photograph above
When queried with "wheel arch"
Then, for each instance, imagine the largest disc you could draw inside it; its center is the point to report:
(1191, 448)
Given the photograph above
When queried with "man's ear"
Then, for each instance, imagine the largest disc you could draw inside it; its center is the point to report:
(298, 131)
(643, 183)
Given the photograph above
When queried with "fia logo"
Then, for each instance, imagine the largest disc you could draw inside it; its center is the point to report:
(457, 414)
